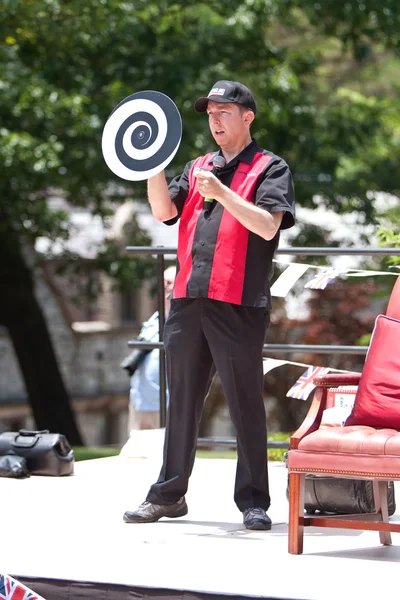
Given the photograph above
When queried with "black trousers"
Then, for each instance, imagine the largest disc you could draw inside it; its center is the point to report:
(200, 333)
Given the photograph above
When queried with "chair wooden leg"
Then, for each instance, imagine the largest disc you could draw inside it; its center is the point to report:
(381, 507)
(296, 512)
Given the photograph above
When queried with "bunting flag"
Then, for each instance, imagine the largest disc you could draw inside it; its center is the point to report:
(304, 385)
(287, 279)
(11, 589)
(322, 277)
(321, 280)
(351, 273)
(272, 363)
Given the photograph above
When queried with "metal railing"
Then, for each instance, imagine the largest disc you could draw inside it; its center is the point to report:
(161, 251)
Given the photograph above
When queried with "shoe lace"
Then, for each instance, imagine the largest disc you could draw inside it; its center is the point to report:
(251, 513)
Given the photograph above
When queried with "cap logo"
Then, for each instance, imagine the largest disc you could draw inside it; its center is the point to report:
(217, 92)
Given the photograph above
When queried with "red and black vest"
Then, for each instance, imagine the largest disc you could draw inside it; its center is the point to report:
(219, 258)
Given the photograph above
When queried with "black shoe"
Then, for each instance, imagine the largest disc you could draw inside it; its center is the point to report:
(150, 513)
(256, 518)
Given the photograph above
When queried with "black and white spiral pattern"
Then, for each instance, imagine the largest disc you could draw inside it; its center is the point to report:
(142, 135)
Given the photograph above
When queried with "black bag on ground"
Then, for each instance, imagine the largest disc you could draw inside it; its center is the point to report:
(13, 466)
(342, 495)
(45, 453)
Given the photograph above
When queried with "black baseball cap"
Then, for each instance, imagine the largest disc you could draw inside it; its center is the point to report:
(227, 91)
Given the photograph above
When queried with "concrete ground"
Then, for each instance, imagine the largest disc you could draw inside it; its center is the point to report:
(71, 528)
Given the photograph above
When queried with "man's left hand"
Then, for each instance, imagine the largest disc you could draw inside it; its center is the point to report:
(208, 185)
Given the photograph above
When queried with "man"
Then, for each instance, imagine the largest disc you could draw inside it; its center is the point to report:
(221, 299)
(144, 395)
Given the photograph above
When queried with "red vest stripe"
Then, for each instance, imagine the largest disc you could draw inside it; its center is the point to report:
(187, 228)
(229, 263)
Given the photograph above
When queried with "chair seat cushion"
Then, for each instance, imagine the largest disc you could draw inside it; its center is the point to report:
(377, 402)
(355, 451)
(353, 440)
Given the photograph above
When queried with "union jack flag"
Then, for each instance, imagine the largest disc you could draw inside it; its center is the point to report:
(321, 279)
(304, 385)
(11, 589)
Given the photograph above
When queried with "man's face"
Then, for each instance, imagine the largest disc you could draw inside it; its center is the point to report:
(227, 123)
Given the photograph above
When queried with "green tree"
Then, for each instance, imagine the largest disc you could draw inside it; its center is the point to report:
(389, 232)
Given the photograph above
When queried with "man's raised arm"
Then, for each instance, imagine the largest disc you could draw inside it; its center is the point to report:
(162, 207)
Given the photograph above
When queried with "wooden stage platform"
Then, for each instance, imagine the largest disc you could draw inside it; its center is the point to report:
(65, 539)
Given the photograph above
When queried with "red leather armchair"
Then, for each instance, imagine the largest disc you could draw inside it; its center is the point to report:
(356, 451)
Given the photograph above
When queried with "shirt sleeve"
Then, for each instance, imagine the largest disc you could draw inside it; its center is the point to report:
(178, 190)
(275, 193)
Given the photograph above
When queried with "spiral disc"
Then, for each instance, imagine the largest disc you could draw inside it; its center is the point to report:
(142, 135)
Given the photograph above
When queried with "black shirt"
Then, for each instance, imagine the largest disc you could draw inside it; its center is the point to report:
(273, 192)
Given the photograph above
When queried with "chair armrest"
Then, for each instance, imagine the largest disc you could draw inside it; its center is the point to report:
(313, 418)
(337, 379)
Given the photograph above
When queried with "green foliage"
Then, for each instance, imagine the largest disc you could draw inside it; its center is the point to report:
(274, 454)
(364, 340)
(342, 314)
(324, 74)
(389, 232)
(355, 22)
(345, 117)
(84, 453)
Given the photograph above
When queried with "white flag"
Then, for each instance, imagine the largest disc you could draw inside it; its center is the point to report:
(272, 363)
(287, 279)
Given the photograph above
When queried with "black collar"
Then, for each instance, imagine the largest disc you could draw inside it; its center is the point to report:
(246, 155)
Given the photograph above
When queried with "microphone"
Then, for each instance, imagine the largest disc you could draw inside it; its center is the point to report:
(218, 163)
